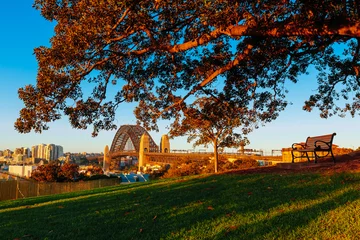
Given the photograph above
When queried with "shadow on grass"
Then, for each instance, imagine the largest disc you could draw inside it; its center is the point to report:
(66, 196)
(216, 206)
(292, 224)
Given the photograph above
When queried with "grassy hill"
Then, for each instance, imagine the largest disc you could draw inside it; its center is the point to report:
(227, 206)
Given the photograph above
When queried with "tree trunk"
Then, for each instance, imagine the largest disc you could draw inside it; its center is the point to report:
(216, 157)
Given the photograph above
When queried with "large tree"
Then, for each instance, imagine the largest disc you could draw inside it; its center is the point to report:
(204, 122)
(164, 54)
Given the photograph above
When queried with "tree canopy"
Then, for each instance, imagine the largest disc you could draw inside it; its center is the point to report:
(164, 54)
(54, 172)
(205, 123)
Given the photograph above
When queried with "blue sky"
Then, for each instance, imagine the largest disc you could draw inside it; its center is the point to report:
(23, 29)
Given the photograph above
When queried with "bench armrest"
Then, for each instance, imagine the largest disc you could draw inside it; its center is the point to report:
(302, 146)
(318, 147)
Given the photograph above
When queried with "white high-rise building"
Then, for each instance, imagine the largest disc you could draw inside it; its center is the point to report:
(50, 152)
(41, 151)
(34, 151)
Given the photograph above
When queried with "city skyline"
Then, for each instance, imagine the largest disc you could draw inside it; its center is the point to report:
(26, 30)
(48, 151)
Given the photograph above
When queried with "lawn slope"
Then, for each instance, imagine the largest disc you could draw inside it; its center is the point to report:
(255, 206)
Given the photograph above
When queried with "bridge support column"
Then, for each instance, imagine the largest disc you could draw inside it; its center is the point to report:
(242, 149)
(107, 159)
(164, 144)
(143, 149)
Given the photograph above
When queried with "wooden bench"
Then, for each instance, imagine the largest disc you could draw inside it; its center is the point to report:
(314, 145)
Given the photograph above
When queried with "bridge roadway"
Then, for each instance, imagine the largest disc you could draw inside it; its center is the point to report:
(155, 157)
(114, 155)
(170, 158)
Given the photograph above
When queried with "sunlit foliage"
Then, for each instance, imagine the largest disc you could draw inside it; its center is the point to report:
(164, 54)
(214, 120)
(54, 172)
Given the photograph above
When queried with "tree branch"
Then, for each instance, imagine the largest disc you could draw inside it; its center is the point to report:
(287, 30)
(216, 73)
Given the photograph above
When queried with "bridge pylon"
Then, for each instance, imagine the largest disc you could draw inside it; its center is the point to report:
(144, 147)
(165, 144)
(107, 159)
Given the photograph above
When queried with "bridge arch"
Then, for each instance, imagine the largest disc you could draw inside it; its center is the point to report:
(134, 133)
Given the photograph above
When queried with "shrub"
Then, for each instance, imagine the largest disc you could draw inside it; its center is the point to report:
(94, 170)
(46, 173)
(342, 151)
(239, 164)
(69, 172)
(54, 172)
(188, 167)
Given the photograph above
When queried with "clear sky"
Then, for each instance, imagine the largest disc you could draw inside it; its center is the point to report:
(23, 29)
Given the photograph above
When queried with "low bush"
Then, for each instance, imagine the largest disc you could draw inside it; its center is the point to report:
(238, 164)
(54, 172)
(188, 167)
(68, 172)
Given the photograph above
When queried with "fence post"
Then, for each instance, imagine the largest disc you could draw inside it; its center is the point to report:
(17, 188)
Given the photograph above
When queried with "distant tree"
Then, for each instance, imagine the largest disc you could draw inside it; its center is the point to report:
(95, 170)
(342, 151)
(161, 53)
(68, 172)
(213, 121)
(54, 172)
(46, 173)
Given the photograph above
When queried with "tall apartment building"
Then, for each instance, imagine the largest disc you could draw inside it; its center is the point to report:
(60, 150)
(27, 152)
(34, 151)
(41, 151)
(49, 152)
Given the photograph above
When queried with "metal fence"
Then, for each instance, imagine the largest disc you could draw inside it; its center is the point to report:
(14, 189)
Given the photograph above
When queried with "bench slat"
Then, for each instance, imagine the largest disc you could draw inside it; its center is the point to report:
(312, 142)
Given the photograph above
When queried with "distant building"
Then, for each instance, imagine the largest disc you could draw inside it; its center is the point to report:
(19, 158)
(50, 152)
(18, 151)
(22, 171)
(21, 155)
(26, 152)
(34, 151)
(41, 151)
(8, 153)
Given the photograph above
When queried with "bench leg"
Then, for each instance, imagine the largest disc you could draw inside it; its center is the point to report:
(332, 155)
(307, 155)
(316, 157)
(293, 157)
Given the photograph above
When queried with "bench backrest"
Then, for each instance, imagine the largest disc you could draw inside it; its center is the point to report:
(310, 141)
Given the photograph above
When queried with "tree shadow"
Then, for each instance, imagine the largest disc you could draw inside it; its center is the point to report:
(215, 206)
(289, 225)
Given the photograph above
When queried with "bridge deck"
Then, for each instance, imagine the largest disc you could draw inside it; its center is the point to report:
(173, 157)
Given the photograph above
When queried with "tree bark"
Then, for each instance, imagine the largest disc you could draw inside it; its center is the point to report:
(216, 157)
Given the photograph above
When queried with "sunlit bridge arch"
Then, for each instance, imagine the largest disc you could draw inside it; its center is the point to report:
(128, 136)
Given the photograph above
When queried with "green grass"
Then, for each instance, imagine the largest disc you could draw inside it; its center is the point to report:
(269, 206)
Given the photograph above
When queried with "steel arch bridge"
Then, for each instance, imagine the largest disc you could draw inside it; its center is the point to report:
(134, 133)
